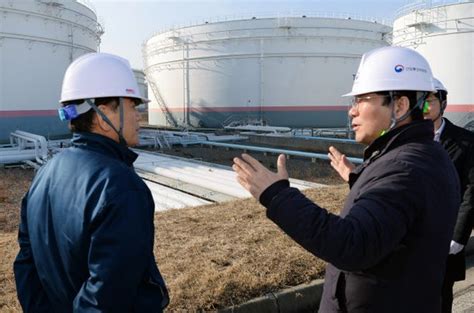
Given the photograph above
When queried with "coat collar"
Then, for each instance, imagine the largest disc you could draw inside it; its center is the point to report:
(105, 146)
(412, 132)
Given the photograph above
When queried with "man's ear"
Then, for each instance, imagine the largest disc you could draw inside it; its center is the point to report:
(402, 106)
(99, 121)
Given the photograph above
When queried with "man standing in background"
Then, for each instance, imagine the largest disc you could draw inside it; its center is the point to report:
(459, 143)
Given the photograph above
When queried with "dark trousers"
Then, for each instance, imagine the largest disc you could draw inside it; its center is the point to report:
(447, 296)
(455, 271)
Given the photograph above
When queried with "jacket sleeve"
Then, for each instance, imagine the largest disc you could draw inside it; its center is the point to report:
(30, 291)
(119, 253)
(465, 219)
(373, 228)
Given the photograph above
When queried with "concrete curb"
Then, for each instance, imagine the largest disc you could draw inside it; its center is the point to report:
(302, 298)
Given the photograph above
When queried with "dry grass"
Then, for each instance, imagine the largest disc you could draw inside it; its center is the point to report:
(14, 183)
(8, 251)
(211, 257)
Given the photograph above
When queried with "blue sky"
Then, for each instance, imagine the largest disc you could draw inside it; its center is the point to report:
(129, 23)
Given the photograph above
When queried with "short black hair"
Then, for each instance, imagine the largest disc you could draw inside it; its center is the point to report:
(442, 96)
(417, 112)
(83, 123)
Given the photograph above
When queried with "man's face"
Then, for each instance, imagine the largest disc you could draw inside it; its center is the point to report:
(369, 117)
(434, 107)
(131, 117)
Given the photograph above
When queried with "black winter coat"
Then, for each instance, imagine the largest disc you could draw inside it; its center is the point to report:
(459, 143)
(387, 250)
(86, 234)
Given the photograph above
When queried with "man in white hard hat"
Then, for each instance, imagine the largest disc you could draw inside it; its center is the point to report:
(459, 143)
(86, 234)
(387, 250)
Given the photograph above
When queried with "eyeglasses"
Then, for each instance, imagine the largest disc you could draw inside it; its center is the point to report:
(357, 100)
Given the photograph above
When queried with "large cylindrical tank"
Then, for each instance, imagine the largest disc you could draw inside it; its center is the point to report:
(141, 81)
(38, 40)
(142, 86)
(286, 71)
(444, 34)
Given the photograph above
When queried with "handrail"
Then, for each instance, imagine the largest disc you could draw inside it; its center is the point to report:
(426, 4)
(267, 15)
(43, 144)
(89, 5)
(277, 151)
(34, 141)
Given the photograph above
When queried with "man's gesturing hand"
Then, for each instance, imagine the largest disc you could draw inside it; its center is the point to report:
(340, 163)
(255, 177)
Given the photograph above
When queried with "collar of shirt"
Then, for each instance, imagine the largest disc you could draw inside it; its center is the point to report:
(104, 145)
(439, 131)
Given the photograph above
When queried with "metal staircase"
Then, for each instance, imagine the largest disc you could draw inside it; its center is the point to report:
(161, 103)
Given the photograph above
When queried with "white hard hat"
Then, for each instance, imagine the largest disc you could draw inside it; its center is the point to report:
(99, 75)
(390, 69)
(439, 85)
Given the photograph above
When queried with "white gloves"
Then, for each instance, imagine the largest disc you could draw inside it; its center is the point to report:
(455, 247)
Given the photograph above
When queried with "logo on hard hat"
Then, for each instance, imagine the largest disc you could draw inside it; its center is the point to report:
(399, 68)
(130, 91)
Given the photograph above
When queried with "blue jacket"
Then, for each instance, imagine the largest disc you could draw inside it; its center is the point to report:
(86, 234)
(388, 248)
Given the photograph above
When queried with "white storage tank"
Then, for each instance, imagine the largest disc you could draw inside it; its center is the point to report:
(286, 71)
(141, 81)
(444, 34)
(38, 40)
(142, 86)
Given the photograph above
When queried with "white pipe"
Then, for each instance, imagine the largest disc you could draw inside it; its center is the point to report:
(208, 181)
(174, 169)
(41, 140)
(213, 178)
(167, 198)
(34, 165)
(278, 151)
(16, 156)
(35, 142)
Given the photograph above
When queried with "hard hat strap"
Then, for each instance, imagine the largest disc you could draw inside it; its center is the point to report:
(393, 119)
(107, 120)
(420, 102)
(120, 132)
